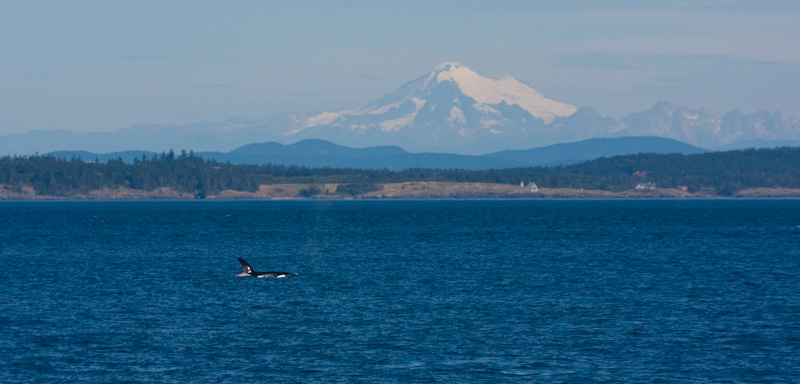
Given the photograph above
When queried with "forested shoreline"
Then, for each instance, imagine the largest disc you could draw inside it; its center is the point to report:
(715, 173)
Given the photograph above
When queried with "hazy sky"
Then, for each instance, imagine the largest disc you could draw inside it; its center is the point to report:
(104, 65)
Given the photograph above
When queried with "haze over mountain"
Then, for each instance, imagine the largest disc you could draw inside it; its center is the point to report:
(451, 109)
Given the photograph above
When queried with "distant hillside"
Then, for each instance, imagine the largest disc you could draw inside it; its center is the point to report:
(320, 153)
(761, 144)
(595, 148)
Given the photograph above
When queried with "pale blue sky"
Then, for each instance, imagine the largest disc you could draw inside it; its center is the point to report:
(104, 65)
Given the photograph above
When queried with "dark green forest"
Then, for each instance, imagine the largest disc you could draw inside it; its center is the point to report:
(722, 173)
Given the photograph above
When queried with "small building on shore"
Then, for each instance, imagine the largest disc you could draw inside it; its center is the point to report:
(645, 186)
(531, 186)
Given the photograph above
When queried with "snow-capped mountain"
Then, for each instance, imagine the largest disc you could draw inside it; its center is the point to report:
(452, 108)
(704, 129)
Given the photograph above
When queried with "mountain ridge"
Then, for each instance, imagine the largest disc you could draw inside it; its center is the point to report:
(320, 153)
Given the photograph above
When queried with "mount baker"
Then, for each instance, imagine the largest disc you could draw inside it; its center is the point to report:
(450, 108)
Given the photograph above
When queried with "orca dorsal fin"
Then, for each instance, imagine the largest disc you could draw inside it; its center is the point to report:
(246, 268)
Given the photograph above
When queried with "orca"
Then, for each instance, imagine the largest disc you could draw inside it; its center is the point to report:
(247, 270)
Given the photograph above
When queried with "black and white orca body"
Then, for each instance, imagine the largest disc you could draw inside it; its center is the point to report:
(247, 270)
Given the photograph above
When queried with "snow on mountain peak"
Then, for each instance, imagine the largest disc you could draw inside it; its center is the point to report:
(490, 91)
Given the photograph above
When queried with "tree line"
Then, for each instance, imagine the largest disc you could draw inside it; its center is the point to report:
(723, 173)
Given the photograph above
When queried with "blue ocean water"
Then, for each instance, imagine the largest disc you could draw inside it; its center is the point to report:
(650, 291)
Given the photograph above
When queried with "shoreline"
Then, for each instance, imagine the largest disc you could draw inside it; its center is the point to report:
(403, 191)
